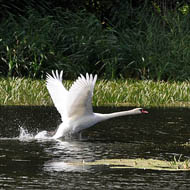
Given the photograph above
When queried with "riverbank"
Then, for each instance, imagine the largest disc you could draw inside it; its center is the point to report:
(144, 93)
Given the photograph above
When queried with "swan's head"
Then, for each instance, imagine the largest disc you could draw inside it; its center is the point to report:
(140, 111)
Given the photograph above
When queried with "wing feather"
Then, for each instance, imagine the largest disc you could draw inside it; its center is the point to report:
(57, 91)
(80, 96)
(78, 100)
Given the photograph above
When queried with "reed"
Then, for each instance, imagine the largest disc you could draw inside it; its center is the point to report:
(145, 93)
(134, 42)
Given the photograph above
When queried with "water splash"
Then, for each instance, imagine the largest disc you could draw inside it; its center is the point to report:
(42, 135)
(24, 135)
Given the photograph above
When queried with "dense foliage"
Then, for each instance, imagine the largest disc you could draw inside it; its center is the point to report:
(116, 39)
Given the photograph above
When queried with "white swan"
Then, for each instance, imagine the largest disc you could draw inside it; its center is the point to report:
(74, 105)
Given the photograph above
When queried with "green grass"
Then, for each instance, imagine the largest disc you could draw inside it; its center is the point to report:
(145, 93)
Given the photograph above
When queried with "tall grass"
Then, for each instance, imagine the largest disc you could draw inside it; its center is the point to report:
(147, 93)
(32, 46)
(154, 46)
(20, 91)
(134, 43)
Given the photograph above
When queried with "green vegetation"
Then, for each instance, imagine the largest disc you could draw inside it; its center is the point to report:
(151, 164)
(21, 91)
(116, 40)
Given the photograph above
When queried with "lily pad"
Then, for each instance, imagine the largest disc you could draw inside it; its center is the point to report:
(151, 164)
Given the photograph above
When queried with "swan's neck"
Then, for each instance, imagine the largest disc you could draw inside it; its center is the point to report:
(103, 117)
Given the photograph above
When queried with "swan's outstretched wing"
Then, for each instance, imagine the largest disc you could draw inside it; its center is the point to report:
(80, 96)
(57, 91)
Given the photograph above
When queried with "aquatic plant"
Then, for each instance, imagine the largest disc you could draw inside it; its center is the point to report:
(22, 91)
(178, 164)
(138, 163)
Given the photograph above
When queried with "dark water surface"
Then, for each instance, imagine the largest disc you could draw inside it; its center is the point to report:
(26, 163)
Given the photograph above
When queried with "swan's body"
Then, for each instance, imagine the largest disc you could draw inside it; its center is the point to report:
(74, 105)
